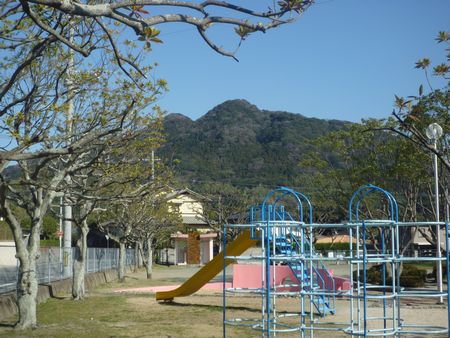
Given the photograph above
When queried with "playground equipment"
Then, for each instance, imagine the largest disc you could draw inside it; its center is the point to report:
(286, 238)
(367, 321)
(205, 274)
(283, 227)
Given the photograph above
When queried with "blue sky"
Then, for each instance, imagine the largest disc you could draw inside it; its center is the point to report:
(343, 59)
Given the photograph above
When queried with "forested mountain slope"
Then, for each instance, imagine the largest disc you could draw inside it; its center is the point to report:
(238, 143)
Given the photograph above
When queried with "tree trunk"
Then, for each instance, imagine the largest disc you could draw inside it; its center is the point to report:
(140, 256)
(78, 286)
(137, 245)
(27, 251)
(149, 259)
(122, 257)
(27, 288)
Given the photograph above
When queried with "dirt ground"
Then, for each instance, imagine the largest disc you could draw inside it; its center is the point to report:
(106, 313)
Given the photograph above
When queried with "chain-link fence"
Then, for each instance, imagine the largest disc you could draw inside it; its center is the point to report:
(56, 264)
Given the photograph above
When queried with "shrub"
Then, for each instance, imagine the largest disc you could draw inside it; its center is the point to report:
(444, 270)
(411, 276)
(373, 275)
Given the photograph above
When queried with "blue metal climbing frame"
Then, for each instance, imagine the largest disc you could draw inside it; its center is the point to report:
(286, 239)
(283, 224)
(384, 320)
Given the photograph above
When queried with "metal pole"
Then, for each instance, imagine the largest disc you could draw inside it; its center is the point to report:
(447, 206)
(365, 281)
(224, 280)
(448, 272)
(438, 232)
(267, 265)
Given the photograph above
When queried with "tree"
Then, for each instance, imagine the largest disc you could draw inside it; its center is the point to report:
(46, 154)
(121, 175)
(226, 205)
(416, 112)
(370, 153)
(154, 222)
(82, 26)
(38, 87)
(134, 219)
(126, 180)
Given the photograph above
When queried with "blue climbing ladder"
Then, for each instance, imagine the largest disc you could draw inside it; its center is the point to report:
(309, 278)
(293, 243)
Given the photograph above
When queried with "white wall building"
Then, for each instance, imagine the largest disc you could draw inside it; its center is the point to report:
(193, 245)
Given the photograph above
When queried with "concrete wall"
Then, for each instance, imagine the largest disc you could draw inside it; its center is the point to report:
(8, 253)
(167, 255)
(60, 288)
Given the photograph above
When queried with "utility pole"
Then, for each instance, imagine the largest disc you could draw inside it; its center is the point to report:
(66, 207)
(60, 234)
(153, 164)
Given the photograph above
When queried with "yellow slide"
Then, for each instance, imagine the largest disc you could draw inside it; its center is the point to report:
(210, 270)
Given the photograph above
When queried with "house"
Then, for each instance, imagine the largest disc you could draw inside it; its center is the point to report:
(194, 243)
(422, 247)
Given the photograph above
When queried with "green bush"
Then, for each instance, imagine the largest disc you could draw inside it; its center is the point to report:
(373, 275)
(444, 270)
(411, 276)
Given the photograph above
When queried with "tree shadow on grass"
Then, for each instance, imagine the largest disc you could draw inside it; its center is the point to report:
(217, 307)
(210, 307)
(8, 325)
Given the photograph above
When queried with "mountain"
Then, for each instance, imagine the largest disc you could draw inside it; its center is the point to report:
(238, 143)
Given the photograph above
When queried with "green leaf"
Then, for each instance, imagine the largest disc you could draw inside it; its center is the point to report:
(423, 63)
(399, 101)
(443, 36)
(243, 31)
(441, 70)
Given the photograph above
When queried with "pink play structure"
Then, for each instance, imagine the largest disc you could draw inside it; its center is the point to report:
(250, 276)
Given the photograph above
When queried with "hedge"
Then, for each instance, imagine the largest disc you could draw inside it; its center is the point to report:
(332, 246)
(49, 243)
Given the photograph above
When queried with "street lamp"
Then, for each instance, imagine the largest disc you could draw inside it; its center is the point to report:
(434, 132)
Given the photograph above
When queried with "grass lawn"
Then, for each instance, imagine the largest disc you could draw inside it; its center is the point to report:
(105, 313)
